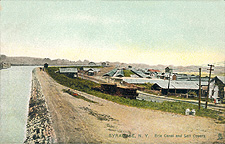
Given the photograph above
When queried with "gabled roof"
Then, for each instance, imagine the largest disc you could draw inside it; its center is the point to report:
(221, 78)
(139, 73)
(93, 69)
(111, 73)
(119, 73)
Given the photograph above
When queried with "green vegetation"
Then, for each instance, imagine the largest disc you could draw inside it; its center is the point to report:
(221, 74)
(147, 86)
(74, 83)
(195, 98)
(128, 73)
(148, 89)
(174, 107)
(192, 93)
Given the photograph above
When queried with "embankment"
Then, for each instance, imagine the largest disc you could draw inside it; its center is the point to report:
(39, 124)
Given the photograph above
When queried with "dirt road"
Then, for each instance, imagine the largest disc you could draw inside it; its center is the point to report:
(78, 121)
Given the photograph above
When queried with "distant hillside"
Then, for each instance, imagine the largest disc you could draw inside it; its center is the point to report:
(38, 61)
(220, 70)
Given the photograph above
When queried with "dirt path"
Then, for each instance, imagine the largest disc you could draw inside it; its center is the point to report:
(78, 121)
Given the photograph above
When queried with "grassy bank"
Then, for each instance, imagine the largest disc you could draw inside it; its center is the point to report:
(174, 107)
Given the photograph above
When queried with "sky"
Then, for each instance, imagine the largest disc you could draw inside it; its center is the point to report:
(149, 32)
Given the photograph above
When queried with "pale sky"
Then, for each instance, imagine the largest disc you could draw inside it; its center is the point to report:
(150, 32)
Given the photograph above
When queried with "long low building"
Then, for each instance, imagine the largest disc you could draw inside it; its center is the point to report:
(162, 85)
(176, 86)
(70, 72)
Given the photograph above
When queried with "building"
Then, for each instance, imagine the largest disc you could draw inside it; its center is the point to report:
(45, 65)
(92, 64)
(175, 87)
(105, 64)
(123, 91)
(140, 74)
(167, 70)
(4, 65)
(91, 71)
(111, 73)
(70, 72)
(153, 70)
(216, 88)
(119, 73)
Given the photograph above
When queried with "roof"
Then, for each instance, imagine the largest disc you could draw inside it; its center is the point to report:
(111, 73)
(178, 85)
(68, 70)
(91, 63)
(140, 80)
(91, 69)
(139, 73)
(221, 78)
(119, 73)
(153, 70)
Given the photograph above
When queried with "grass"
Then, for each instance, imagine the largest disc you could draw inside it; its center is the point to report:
(195, 98)
(174, 107)
(128, 73)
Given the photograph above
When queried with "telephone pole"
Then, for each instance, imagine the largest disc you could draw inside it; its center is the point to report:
(200, 90)
(210, 71)
(170, 70)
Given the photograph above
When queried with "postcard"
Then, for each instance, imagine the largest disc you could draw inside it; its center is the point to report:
(106, 71)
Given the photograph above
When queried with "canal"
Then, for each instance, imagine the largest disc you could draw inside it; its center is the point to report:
(15, 90)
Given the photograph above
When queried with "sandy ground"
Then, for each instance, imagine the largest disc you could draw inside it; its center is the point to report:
(79, 121)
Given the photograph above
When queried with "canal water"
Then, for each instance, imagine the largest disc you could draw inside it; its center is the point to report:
(15, 89)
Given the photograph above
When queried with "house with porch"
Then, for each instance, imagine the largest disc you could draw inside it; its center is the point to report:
(216, 88)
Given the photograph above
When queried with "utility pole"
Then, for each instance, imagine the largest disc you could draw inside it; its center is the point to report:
(210, 71)
(200, 90)
(169, 82)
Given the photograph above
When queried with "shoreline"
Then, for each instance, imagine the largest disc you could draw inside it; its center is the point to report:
(39, 124)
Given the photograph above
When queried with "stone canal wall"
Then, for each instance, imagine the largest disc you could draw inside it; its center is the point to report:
(39, 124)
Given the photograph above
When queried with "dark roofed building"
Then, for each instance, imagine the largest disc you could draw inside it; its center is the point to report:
(46, 65)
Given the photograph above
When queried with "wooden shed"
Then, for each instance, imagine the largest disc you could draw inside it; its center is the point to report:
(127, 92)
(113, 89)
(109, 88)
